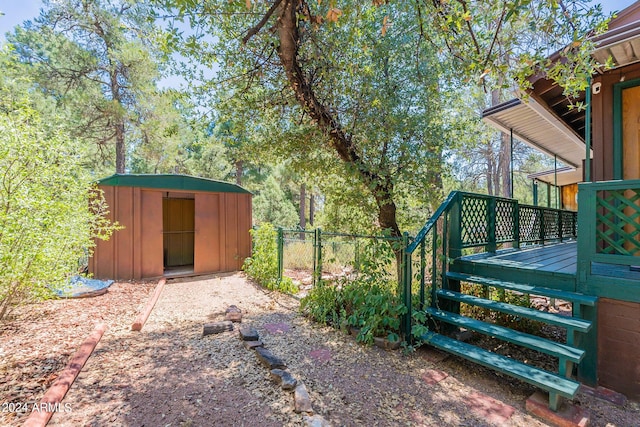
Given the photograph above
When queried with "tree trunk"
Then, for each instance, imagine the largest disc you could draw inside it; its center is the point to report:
(239, 170)
(312, 208)
(341, 142)
(303, 210)
(120, 148)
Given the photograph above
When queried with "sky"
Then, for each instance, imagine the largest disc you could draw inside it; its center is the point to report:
(17, 11)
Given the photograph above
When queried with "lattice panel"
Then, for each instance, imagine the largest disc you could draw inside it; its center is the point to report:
(504, 221)
(569, 220)
(618, 222)
(551, 230)
(474, 221)
(529, 223)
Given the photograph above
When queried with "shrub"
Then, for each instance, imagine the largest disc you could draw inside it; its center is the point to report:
(262, 266)
(368, 301)
(49, 213)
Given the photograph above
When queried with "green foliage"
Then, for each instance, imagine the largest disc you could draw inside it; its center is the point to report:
(272, 206)
(49, 214)
(368, 301)
(262, 266)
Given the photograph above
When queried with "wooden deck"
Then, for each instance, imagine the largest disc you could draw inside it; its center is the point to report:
(553, 263)
(554, 258)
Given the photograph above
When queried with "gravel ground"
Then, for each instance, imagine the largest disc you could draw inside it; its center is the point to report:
(170, 375)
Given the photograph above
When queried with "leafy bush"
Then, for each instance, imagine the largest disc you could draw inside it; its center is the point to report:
(262, 266)
(49, 211)
(368, 301)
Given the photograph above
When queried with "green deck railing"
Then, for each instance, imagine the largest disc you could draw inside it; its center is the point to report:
(468, 220)
(609, 239)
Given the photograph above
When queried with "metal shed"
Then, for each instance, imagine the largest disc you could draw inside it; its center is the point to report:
(173, 225)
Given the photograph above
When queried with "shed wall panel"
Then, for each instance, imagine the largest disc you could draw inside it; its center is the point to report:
(101, 264)
(230, 237)
(208, 230)
(619, 346)
(124, 238)
(150, 243)
(244, 225)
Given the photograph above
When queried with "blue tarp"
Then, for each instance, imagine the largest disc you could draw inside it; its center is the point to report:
(81, 287)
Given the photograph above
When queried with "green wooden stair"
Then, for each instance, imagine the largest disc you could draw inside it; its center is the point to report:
(543, 345)
(557, 384)
(524, 288)
(550, 382)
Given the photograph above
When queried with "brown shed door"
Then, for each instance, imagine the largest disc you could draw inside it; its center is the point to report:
(209, 233)
(178, 227)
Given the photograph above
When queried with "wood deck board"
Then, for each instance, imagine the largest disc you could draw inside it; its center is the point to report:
(556, 258)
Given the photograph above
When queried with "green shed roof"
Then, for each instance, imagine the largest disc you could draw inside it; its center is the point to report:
(171, 182)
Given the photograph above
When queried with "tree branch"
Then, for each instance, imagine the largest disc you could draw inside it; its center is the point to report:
(256, 29)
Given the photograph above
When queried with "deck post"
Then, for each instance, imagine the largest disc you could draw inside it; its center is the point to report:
(516, 224)
(406, 292)
(491, 225)
(588, 367)
(423, 267)
(280, 253)
(454, 251)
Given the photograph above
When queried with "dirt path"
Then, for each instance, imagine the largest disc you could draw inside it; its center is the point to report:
(170, 375)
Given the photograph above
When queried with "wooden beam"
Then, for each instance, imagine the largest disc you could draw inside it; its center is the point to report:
(51, 401)
(144, 315)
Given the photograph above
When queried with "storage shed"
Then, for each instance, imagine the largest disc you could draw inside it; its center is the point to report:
(173, 225)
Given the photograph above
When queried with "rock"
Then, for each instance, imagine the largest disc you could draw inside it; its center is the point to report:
(284, 378)
(248, 333)
(269, 359)
(217, 327)
(233, 314)
(251, 345)
(302, 400)
(386, 344)
(316, 421)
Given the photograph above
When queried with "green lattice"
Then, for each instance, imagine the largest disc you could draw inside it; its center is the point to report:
(530, 221)
(569, 224)
(504, 220)
(551, 226)
(618, 232)
(474, 221)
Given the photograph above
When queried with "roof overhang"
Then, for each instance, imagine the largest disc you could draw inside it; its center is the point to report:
(536, 126)
(622, 44)
(561, 176)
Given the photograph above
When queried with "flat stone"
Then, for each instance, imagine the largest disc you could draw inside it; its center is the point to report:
(277, 328)
(568, 415)
(284, 378)
(248, 333)
(216, 328)
(316, 421)
(321, 355)
(302, 400)
(269, 359)
(433, 376)
(251, 345)
(604, 393)
(233, 314)
(488, 408)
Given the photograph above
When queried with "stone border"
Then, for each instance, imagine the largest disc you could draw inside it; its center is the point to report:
(50, 402)
(280, 375)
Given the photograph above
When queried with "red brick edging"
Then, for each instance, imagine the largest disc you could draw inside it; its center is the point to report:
(144, 315)
(50, 402)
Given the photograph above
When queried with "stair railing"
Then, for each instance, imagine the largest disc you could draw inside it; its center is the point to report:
(468, 220)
